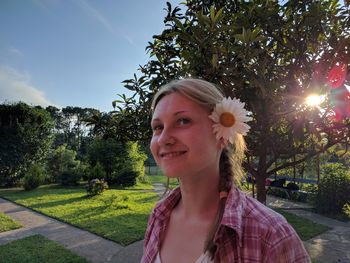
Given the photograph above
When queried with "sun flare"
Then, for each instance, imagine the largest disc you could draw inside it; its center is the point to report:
(314, 100)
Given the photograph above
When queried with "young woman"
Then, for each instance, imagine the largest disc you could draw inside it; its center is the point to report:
(198, 138)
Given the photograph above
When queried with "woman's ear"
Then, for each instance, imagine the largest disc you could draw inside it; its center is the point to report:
(222, 143)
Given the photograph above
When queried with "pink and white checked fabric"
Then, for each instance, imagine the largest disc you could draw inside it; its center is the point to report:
(249, 232)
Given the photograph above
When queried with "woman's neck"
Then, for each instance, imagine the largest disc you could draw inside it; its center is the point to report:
(199, 196)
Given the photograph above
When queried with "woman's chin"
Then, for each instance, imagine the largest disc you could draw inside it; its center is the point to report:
(171, 173)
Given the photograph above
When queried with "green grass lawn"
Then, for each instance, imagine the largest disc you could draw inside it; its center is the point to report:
(120, 215)
(305, 228)
(35, 249)
(6, 223)
(173, 182)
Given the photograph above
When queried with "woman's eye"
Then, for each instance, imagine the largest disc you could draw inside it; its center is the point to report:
(183, 121)
(157, 128)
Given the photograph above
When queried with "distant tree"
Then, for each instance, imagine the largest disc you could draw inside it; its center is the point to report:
(270, 54)
(113, 124)
(25, 138)
(63, 166)
(105, 152)
(123, 163)
(102, 124)
(130, 165)
(70, 127)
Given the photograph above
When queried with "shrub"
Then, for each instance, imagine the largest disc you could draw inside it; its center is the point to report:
(279, 192)
(70, 177)
(130, 165)
(97, 172)
(346, 210)
(334, 189)
(105, 152)
(298, 196)
(64, 167)
(34, 177)
(96, 186)
(123, 163)
(127, 178)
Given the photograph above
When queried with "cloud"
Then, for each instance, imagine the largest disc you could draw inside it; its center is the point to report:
(15, 86)
(101, 19)
(15, 51)
(93, 12)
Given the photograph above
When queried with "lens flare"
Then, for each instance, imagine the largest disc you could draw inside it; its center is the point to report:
(314, 100)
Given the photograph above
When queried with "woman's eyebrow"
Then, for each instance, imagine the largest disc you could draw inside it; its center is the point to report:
(175, 114)
(179, 112)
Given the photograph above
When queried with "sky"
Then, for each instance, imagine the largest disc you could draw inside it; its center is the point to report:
(74, 52)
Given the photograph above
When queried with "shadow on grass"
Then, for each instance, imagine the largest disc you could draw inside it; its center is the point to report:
(61, 202)
(154, 198)
(123, 229)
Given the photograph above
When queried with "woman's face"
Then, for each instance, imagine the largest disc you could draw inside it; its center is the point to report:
(183, 141)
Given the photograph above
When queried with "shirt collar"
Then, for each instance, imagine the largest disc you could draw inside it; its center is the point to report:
(234, 209)
(163, 210)
(232, 217)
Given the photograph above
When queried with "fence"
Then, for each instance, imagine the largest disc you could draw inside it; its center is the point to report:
(153, 170)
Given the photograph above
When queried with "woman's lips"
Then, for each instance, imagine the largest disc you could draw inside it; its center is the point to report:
(172, 154)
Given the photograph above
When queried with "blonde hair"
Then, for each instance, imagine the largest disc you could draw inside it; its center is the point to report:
(208, 95)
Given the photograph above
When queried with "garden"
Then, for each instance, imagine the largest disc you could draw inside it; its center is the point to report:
(94, 169)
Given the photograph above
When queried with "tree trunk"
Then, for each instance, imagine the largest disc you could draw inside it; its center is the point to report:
(260, 186)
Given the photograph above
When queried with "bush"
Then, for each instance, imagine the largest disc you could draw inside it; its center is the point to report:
(279, 192)
(96, 186)
(34, 177)
(130, 165)
(97, 172)
(70, 177)
(123, 163)
(64, 167)
(298, 196)
(127, 178)
(346, 210)
(334, 189)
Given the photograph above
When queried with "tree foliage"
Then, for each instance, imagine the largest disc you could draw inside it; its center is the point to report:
(63, 166)
(25, 138)
(71, 128)
(123, 163)
(34, 177)
(334, 189)
(271, 55)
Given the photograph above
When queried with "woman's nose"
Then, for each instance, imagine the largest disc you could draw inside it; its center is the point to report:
(166, 137)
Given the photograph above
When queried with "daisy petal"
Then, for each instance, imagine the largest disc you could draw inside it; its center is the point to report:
(236, 108)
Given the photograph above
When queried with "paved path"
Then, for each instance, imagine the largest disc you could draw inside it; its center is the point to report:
(332, 246)
(90, 246)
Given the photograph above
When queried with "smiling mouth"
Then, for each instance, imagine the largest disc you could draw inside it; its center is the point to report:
(172, 154)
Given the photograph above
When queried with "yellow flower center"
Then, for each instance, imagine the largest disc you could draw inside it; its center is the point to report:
(227, 119)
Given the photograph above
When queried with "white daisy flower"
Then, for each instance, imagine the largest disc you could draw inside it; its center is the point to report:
(230, 116)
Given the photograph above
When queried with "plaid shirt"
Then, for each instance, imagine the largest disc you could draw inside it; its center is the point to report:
(249, 232)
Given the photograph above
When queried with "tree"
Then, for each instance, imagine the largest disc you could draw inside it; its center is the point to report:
(25, 138)
(123, 163)
(269, 54)
(63, 166)
(105, 152)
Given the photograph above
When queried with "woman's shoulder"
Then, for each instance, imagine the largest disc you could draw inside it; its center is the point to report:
(266, 221)
(245, 212)
(166, 203)
(261, 213)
